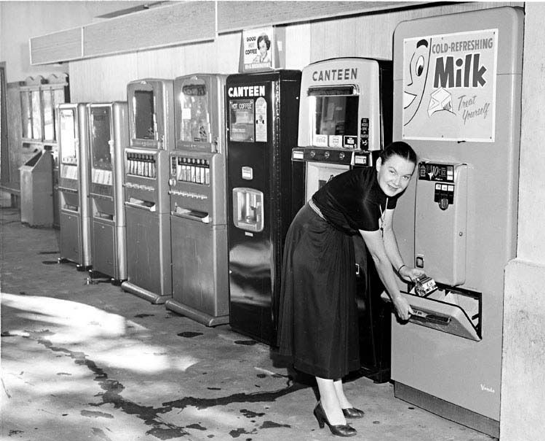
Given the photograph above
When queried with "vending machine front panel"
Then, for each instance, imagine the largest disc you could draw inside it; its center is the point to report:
(345, 119)
(198, 201)
(145, 183)
(457, 93)
(75, 234)
(108, 135)
(262, 114)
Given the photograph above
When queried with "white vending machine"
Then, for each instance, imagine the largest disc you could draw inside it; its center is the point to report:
(457, 98)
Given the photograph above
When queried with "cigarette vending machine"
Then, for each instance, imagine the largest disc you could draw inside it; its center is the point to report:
(75, 220)
(108, 134)
(262, 114)
(457, 95)
(344, 122)
(198, 201)
(146, 199)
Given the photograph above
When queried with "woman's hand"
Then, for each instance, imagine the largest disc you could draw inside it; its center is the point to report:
(410, 274)
(403, 309)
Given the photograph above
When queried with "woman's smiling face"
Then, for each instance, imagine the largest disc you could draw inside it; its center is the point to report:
(394, 174)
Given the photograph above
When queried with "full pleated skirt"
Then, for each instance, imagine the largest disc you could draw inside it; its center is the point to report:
(318, 322)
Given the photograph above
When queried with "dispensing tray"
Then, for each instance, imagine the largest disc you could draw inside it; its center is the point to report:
(443, 316)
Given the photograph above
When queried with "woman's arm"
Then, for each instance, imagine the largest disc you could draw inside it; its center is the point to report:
(375, 245)
(408, 273)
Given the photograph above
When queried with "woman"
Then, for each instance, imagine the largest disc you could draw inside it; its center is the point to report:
(263, 45)
(318, 323)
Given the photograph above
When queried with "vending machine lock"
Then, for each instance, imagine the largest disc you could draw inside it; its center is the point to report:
(444, 195)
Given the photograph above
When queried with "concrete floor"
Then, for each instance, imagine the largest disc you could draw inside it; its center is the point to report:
(92, 362)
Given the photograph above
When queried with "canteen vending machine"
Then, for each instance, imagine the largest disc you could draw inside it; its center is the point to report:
(146, 199)
(344, 122)
(198, 201)
(262, 113)
(108, 134)
(457, 95)
(74, 218)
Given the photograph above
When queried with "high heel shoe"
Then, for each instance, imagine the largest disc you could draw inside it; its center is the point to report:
(338, 430)
(352, 412)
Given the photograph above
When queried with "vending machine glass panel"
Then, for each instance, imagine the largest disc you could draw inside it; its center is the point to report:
(144, 111)
(26, 114)
(36, 109)
(68, 137)
(241, 121)
(100, 139)
(336, 114)
(49, 114)
(195, 113)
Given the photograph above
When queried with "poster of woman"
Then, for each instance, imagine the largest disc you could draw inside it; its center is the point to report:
(258, 49)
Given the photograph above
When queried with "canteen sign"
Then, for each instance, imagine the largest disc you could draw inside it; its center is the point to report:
(449, 86)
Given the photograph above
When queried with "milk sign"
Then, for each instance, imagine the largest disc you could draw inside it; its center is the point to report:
(449, 86)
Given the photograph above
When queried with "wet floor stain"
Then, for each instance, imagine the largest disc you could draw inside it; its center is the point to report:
(249, 414)
(273, 425)
(15, 432)
(144, 315)
(189, 334)
(196, 426)
(236, 433)
(112, 390)
(245, 342)
(50, 262)
(94, 414)
(100, 434)
(63, 373)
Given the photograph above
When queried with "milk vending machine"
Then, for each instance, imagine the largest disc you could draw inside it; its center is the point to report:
(344, 122)
(108, 134)
(198, 201)
(457, 95)
(74, 218)
(146, 160)
(262, 114)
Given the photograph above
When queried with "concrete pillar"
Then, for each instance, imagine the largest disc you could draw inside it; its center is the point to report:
(523, 370)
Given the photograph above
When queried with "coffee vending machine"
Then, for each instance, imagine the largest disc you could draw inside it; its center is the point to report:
(262, 114)
(74, 218)
(344, 122)
(146, 199)
(457, 99)
(108, 135)
(198, 201)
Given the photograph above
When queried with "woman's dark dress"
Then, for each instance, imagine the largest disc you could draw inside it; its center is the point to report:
(318, 321)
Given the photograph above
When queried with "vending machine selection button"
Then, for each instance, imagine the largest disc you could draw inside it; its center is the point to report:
(247, 173)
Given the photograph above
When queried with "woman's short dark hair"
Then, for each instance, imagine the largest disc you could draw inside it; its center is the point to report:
(264, 37)
(401, 149)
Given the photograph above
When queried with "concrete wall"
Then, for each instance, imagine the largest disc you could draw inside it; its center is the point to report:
(523, 375)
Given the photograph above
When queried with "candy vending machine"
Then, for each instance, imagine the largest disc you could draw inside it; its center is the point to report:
(198, 201)
(75, 230)
(146, 159)
(108, 134)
